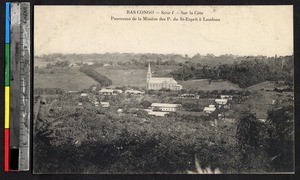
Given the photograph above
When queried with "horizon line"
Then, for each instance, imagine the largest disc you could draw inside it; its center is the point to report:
(184, 54)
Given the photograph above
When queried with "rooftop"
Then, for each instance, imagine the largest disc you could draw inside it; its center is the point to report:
(209, 109)
(164, 105)
(162, 80)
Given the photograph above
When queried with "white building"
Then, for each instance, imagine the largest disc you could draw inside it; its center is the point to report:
(106, 64)
(135, 92)
(104, 104)
(73, 91)
(156, 113)
(88, 63)
(211, 108)
(84, 94)
(165, 107)
(110, 91)
(189, 96)
(73, 65)
(228, 97)
(221, 101)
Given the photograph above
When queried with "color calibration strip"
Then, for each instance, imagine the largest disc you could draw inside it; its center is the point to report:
(17, 87)
(7, 90)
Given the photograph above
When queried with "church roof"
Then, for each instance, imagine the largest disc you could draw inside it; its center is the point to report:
(162, 80)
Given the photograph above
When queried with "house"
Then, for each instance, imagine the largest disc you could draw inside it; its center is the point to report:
(156, 113)
(189, 96)
(209, 109)
(73, 91)
(106, 64)
(165, 107)
(96, 103)
(79, 104)
(221, 101)
(84, 94)
(228, 97)
(105, 104)
(262, 118)
(110, 91)
(88, 63)
(73, 65)
(134, 92)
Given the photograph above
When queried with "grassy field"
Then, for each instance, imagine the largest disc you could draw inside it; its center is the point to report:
(132, 76)
(71, 79)
(262, 101)
(263, 85)
(203, 84)
(40, 62)
(124, 76)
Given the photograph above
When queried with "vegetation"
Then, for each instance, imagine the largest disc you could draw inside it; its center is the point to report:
(245, 73)
(96, 140)
(73, 138)
(102, 80)
(280, 137)
(271, 141)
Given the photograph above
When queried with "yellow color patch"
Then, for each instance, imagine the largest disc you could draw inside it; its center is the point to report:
(7, 107)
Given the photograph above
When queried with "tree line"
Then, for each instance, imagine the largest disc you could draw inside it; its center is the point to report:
(102, 80)
(245, 73)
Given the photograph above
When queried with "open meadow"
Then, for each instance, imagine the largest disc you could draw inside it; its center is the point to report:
(204, 85)
(73, 79)
(69, 79)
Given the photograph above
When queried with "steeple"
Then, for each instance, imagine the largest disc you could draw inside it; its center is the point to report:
(149, 74)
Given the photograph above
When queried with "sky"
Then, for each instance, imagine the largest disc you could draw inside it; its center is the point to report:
(242, 30)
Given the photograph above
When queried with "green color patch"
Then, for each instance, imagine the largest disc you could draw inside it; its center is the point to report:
(7, 64)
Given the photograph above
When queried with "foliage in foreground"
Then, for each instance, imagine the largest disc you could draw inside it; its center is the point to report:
(97, 141)
(112, 144)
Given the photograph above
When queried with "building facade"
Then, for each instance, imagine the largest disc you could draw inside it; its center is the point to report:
(110, 91)
(156, 83)
(211, 108)
(165, 107)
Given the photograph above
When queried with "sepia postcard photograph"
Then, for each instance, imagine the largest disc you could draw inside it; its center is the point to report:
(163, 90)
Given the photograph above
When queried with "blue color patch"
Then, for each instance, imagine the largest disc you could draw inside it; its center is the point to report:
(7, 23)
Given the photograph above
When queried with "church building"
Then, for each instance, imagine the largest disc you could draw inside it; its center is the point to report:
(157, 83)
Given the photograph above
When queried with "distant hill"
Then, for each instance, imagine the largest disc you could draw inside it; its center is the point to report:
(209, 59)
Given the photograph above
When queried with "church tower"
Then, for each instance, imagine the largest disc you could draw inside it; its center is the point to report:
(149, 74)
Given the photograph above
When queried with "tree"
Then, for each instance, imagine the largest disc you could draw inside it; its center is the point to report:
(248, 131)
(250, 143)
(280, 142)
(145, 104)
(189, 106)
